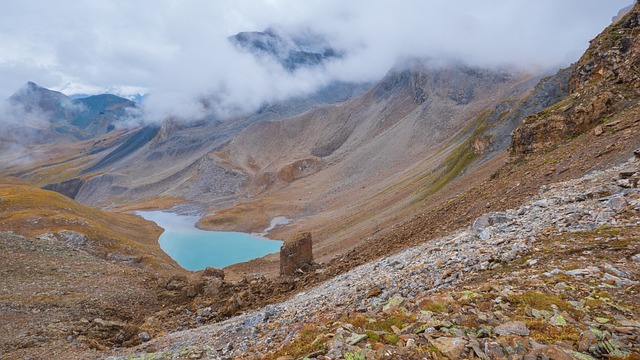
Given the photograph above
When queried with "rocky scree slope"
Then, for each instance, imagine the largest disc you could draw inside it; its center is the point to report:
(303, 166)
(555, 278)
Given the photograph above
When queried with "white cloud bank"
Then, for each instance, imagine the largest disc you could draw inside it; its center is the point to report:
(178, 50)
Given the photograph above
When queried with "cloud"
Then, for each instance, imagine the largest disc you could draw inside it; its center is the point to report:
(178, 51)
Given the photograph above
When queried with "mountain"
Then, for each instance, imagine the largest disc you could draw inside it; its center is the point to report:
(456, 212)
(299, 158)
(304, 49)
(391, 144)
(534, 254)
(68, 118)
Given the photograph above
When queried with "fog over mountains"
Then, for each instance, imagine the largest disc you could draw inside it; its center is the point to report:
(181, 54)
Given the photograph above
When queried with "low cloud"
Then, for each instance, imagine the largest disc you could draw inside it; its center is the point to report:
(179, 52)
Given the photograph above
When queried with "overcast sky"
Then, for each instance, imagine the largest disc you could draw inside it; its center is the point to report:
(178, 50)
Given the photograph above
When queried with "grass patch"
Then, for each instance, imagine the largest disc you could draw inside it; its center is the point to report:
(459, 159)
(391, 339)
(543, 301)
(386, 324)
(438, 307)
(310, 339)
(542, 331)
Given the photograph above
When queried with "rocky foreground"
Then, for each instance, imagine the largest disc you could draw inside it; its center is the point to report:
(557, 278)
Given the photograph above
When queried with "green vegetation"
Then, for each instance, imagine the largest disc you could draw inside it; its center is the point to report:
(543, 301)
(391, 339)
(543, 331)
(354, 355)
(438, 307)
(310, 339)
(459, 159)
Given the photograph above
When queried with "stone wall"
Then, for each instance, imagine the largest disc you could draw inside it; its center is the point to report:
(296, 254)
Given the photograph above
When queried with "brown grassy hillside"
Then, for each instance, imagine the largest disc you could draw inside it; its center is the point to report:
(30, 211)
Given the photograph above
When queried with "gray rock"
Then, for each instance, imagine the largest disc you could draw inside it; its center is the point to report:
(485, 234)
(583, 272)
(512, 328)
(144, 336)
(617, 203)
(610, 269)
(205, 313)
(619, 281)
(356, 338)
(73, 238)
(636, 257)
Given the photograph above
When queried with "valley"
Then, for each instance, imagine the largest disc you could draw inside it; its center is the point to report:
(456, 211)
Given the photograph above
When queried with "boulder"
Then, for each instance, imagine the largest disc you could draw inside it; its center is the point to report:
(213, 272)
(488, 219)
(296, 254)
(617, 203)
(213, 286)
(450, 347)
(512, 328)
(73, 238)
(626, 173)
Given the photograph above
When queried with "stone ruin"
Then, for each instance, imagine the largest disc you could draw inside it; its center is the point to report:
(296, 254)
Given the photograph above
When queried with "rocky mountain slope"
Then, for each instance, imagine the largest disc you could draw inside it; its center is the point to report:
(555, 278)
(361, 142)
(605, 81)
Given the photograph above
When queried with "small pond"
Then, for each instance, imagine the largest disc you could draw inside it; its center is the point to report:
(195, 249)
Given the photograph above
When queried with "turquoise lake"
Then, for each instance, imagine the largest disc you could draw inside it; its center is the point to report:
(195, 249)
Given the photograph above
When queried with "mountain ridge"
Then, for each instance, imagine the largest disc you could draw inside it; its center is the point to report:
(78, 119)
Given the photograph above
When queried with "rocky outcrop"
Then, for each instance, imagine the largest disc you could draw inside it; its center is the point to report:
(605, 81)
(69, 188)
(299, 169)
(296, 254)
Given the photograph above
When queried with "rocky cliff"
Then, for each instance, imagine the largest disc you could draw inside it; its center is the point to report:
(606, 80)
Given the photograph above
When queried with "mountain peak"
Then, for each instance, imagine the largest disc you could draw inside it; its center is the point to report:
(292, 51)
